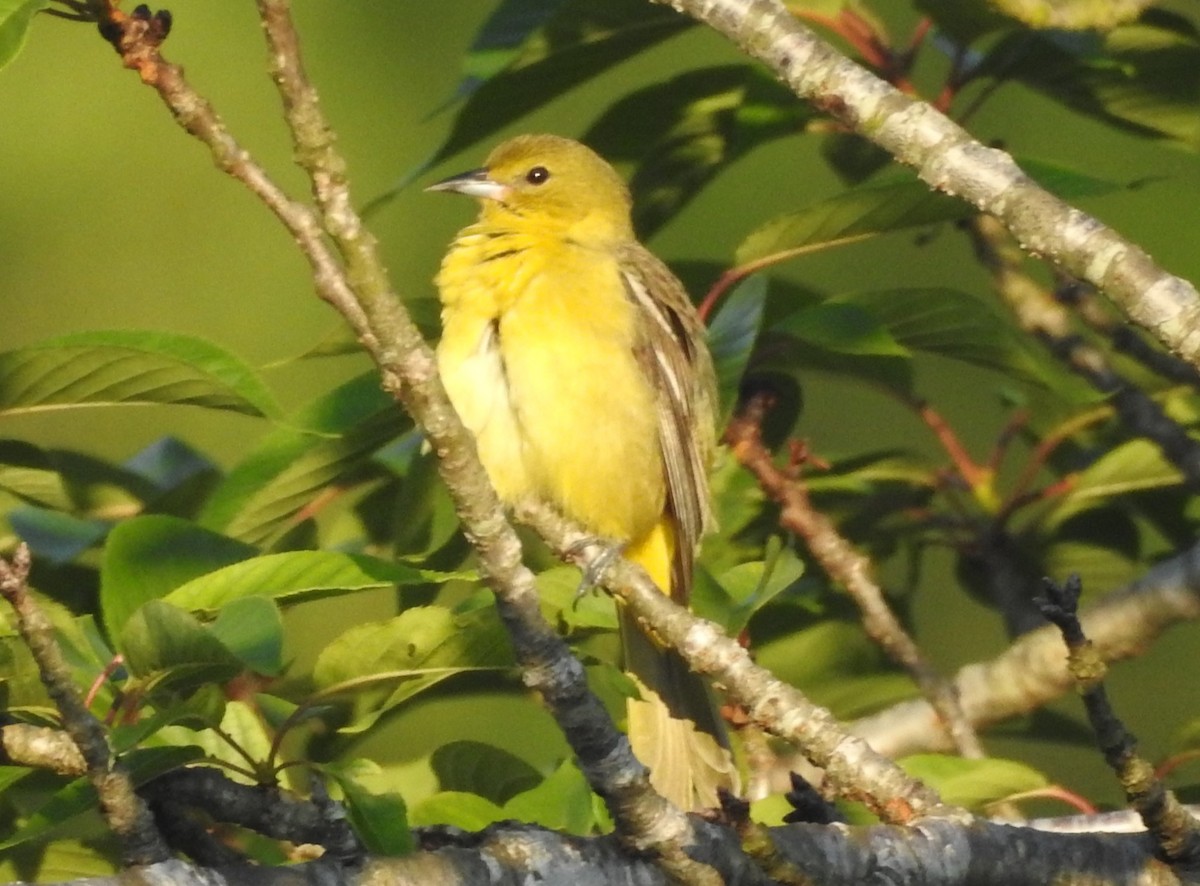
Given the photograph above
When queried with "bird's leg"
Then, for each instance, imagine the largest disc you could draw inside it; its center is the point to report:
(609, 552)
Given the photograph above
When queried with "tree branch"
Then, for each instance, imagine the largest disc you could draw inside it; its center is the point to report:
(848, 567)
(123, 809)
(1033, 671)
(852, 767)
(947, 158)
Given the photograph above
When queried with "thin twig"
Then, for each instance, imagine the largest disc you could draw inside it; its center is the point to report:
(848, 567)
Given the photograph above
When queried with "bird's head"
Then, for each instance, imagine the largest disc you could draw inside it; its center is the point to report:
(551, 183)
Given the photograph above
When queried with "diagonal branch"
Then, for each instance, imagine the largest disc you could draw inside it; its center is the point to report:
(850, 568)
(1033, 671)
(947, 158)
(857, 772)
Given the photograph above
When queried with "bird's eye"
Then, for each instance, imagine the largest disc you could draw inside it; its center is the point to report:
(537, 175)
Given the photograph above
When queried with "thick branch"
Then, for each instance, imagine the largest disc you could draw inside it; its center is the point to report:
(939, 853)
(947, 158)
(1033, 671)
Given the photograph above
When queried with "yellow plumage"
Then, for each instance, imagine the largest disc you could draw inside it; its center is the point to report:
(576, 359)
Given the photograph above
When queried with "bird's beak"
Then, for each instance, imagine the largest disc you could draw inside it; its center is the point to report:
(474, 184)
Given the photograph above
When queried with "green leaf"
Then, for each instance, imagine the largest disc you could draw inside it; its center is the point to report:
(498, 43)
(329, 442)
(470, 812)
(1130, 467)
(59, 861)
(973, 783)
(387, 663)
(558, 592)
(1078, 15)
(148, 557)
(951, 324)
(15, 18)
(837, 664)
(581, 40)
(28, 473)
(752, 585)
(10, 775)
(965, 20)
(561, 802)
(78, 797)
(242, 739)
(849, 217)
(252, 629)
(54, 536)
(482, 769)
(843, 328)
(682, 132)
(1065, 182)
(125, 367)
(380, 819)
(165, 642)
(1143, 77)
(168, 463)
(731, 338)
(294, 576)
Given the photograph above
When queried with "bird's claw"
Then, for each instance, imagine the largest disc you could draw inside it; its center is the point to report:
(596, 568)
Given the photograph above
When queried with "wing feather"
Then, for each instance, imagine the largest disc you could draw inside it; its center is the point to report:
(673, 355)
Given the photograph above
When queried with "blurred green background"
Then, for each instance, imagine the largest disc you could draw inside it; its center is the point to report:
(111, 217)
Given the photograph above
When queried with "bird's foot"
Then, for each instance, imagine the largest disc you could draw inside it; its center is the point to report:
(609, 552)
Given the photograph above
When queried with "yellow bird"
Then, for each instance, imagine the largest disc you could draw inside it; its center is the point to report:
(579, 363)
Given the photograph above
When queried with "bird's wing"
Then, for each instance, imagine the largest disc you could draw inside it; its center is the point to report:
(675, 358)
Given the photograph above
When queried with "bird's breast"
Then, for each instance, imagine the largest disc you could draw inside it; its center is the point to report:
(538, 357)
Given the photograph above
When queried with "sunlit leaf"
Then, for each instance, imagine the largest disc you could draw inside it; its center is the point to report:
(1079, 15)
(561, 802)
(380, 819)
(1143, 76)
(148, 557)
(851, 216)
(1131, 467)
(129, 367)
(561, 598)
(15, 18)
(470, 812)
(28, 473)
(386, 663)
(293, 576)
(973, 783)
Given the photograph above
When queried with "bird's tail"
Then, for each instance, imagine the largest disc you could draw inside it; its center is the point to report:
(674, 727)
